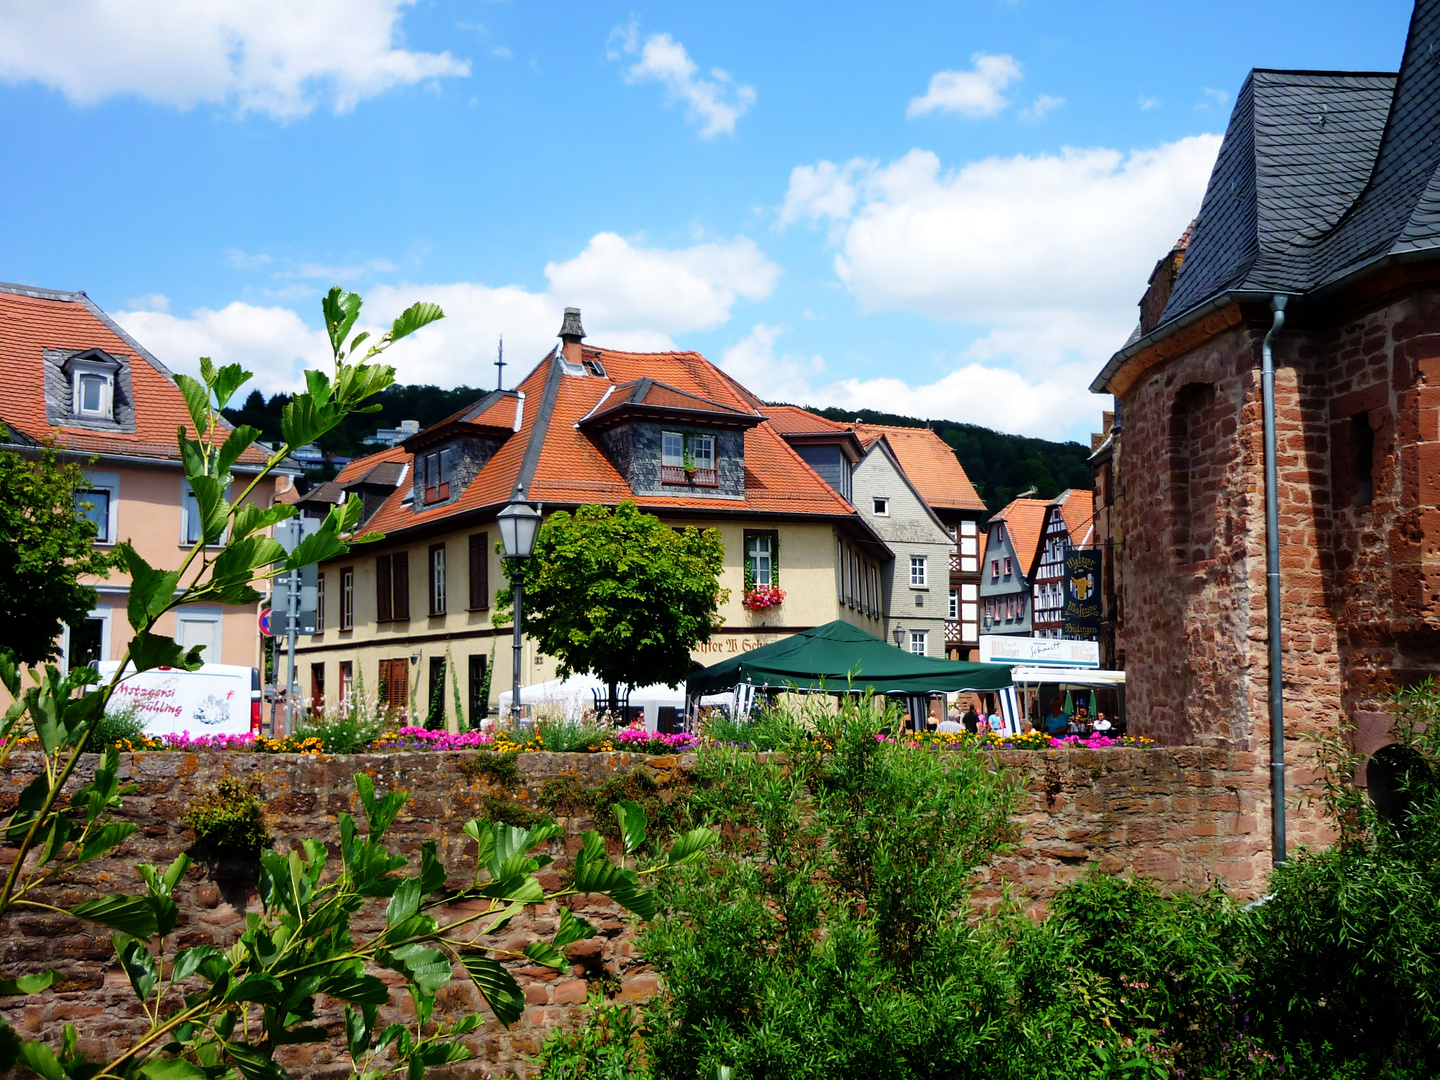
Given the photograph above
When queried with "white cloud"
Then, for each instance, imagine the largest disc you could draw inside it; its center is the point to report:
(150, 302)
(1040, 108)
(502, 52)
(273, 342)
(338, 273)
(1148, 103)
(753, 362)
(1013, 243)
(631, 297)
(274, 57)
(822, 191)
(1212, 96)
(715, 103)
(974, 93)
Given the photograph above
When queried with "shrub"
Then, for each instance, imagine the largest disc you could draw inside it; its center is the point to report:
(569, 795)
(609, 1045)
(559, 735)
(116, 726)
(230, 821)
(501, 768)
(345, 728)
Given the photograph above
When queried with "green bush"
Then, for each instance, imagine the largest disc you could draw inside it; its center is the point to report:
(120, 724)
(560, 735)
(230, 821)
(346, 729)
(609, 1045)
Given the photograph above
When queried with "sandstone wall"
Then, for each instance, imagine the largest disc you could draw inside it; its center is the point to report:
(1186, 816)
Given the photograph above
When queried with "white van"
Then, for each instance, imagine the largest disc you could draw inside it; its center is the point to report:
(219, 699)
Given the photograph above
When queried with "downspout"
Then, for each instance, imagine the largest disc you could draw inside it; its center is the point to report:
(1272, 588)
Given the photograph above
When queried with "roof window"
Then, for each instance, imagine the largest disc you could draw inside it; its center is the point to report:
(594, 367)
(92, 385)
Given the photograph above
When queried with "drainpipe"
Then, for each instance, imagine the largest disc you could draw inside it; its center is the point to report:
(1272, 589)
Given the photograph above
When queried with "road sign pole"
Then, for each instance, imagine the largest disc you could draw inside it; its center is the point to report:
(292, 626)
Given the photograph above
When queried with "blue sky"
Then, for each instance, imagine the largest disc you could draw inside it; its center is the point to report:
(947, 210)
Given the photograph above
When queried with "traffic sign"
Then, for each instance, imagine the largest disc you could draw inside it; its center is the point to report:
(265, 622)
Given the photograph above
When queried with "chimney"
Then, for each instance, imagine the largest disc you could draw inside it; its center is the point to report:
(571, 333)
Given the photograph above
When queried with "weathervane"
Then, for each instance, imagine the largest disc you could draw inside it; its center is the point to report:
(500, 366)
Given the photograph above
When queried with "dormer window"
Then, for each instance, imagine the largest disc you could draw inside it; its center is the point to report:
(594, 367)
(436, 469)
(688, 459)
(92, 385)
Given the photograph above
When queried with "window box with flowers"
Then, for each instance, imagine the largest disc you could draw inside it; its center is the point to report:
(762, 571)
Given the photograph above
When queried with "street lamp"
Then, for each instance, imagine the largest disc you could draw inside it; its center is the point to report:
(899, 636)
(518, 523)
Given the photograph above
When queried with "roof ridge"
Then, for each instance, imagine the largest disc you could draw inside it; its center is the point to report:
(38, 292)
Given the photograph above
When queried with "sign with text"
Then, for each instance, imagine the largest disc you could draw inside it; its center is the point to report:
(1038, 652)
(1082, 595)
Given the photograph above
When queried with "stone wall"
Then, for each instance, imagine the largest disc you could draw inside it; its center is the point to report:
(1188, 817)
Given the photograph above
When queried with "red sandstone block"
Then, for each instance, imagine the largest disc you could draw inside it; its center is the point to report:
(570, 992)
(535, 995)
(639, 988)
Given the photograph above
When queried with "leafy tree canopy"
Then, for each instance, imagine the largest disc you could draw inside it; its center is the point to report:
(621, 594)
(1000, 466)
(46, 547)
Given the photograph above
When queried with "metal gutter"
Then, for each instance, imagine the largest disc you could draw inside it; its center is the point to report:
(1272, 588)
(103, 458)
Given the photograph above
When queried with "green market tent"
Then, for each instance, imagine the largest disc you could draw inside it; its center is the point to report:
(836, 657)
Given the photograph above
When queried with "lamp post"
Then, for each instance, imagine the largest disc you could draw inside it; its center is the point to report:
(899, 635)
(518, 522)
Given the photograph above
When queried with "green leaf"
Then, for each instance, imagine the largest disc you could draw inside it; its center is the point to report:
(227, 380)
(341, 309)
(158, 1068)
(689, 847)
(571, 929)
(26, 809)
(106, 838)
(359, 1023)
(356, 989)
(33, 983)
(249, 518)
(139, 964)
(197, 400)
(421, 313)
(497, 986)
(428, 968)
(405, 902)
(154, 650)
(253, 1064)
(189, 961)
(258, 987)
(432, 871)
(382, 812)
(210, 492)
(632, 824)
(151, 590)
(545, 954)
(131, 915)
(41, 1059)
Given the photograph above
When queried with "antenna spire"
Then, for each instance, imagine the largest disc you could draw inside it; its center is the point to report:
(500, 366)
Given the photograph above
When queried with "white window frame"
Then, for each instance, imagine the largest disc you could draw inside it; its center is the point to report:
(1009, 567)
(105, 613)
(347, 599)
(702, 449)
(666, 455)
(319, 603)
(769, 556)
(108, 482)
(882, 507)
(213, 616)
(81, 371)
(967, 528)
(922, 579)
(954, 603)
(437, 579)
(920, 638)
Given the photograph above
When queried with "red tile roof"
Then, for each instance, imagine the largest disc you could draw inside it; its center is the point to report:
(930, 464)
(1024, 519)
(32, 320)
(793, 420)
(570, 468)
(1077, 507)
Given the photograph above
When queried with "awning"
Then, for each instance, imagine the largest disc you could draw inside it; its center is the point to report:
(837, 657)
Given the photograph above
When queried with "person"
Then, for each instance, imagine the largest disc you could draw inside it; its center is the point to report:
(1056, 723)
(996, 721)
(1102, 723)
(951, 724)
(971, 719)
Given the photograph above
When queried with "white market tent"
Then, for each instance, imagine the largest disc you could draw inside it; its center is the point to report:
(1028, 679)
(577, 694)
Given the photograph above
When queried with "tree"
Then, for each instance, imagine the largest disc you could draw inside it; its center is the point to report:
(46, 547)
(621, 595)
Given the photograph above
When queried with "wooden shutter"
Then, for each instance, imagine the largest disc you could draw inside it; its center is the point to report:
(401, 573)
(480, 572)
(383, 612)
(399, 683)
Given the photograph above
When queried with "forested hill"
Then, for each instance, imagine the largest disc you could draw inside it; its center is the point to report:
(1000, 466)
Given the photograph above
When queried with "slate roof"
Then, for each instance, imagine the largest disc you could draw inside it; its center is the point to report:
(1321, 175)
(37, 326)
(556, 461)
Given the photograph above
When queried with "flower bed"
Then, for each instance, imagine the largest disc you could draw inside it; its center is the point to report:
(1027, 740)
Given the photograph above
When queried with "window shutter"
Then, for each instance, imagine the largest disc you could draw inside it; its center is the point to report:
(399, 683)
(383, 612)
(402, 584)
(480, 572)
(430, 581)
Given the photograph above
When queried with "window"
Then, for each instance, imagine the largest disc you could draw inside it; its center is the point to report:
(435, 701)
(702, 449)
(93, 505)
(392, 587)
(594, 367)
(1009, 567)
(954, 533)
(954, 603)
(1362, 446)
(480, 572)
(918, 576)
(479, 704)
(347, 680)
(760, 558)
(92, 386)
(882, 507)
(347, 598)
(319, 603)
(994, 569)
(394, 684)
(917, 641)
(437, 579)
(199, 626)
(673, 449)
(437, 468)
(1010, 609)
(191, 528)
(967, 528)
(317, 689)
(1020, 606)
